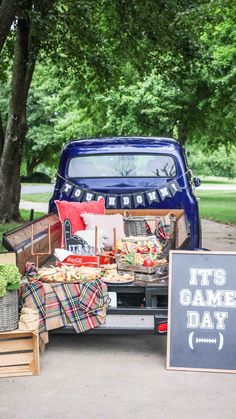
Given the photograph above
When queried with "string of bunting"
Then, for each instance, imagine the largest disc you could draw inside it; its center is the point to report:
(133, 200)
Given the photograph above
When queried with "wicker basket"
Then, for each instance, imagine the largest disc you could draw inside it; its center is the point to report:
(9, 314)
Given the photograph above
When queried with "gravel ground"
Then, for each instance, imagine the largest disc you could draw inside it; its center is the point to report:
(220, 237)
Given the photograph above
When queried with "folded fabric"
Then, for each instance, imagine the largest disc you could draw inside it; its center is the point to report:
(164, 228)
(29, 325)
(29, 310)
(106, 223)
(81, 305)
(29, 319)
(70, 217)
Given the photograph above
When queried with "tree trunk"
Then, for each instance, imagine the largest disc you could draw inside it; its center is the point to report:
(30, 166)
(182, 137)
(1, 138)
(29, 36)
(16, 127)
(8, 10)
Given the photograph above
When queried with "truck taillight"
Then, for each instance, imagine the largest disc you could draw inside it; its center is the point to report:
(162, 327)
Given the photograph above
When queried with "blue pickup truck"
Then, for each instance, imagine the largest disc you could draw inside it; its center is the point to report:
(141, 175)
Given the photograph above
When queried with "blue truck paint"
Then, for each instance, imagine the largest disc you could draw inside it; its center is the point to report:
(144, 145)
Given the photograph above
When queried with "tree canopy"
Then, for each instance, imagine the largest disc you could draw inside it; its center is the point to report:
(72, 69)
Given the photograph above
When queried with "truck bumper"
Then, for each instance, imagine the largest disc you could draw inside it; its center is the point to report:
(129, 321)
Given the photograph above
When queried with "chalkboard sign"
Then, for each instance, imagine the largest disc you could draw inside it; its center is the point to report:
(202, 311)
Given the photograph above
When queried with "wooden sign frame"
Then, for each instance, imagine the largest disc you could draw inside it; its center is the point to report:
(168, 366)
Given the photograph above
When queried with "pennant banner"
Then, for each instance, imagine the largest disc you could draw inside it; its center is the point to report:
(174, 187)
(139, 199)
(77, 193)
(152, 196)
(111, 201)
(164, 192)
(67, 188)
(89, 196)
(127, 201)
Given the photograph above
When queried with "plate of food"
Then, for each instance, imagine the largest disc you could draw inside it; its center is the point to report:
(68, 275)
(117, 279)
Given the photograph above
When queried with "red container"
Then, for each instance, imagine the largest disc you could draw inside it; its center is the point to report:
(93, 261)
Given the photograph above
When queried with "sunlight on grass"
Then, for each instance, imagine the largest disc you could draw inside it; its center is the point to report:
(218, 206)
(37, 197)
(213, 180)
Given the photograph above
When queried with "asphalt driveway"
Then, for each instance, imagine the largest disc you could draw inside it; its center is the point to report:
(42, 188)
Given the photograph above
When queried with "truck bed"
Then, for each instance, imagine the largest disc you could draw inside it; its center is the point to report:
(141, 305)
(37, 232)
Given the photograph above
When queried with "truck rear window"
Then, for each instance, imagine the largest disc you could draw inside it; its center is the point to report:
(121, 165)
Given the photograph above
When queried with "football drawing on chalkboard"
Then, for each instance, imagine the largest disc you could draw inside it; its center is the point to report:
(195, 339)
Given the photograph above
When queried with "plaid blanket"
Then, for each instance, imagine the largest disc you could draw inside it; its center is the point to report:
(162, 227)
(81, 305)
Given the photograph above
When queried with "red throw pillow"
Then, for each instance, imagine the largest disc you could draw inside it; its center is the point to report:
(71, 211)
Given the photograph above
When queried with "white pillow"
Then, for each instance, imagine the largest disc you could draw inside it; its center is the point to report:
(107, 223)
(89, 237)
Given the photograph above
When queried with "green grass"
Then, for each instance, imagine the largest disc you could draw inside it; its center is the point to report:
(25, 214)
(218, 206)
(37, 197)
(213, 180)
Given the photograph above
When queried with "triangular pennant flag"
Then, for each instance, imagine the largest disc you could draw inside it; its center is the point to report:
(125, 201)
(139, 200)
(88, 196)
(152, 196)
(164, 192)
(67, 188)
(98, 196)
(112, 201)
(174, 187)
(77, 193)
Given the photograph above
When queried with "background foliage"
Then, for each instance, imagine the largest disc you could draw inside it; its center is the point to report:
(130, 68)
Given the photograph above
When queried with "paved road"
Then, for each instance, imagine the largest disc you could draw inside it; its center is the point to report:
(220, 237)
(30, 189)
(217, 188)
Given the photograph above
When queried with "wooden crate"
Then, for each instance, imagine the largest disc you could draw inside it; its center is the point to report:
(19, 353)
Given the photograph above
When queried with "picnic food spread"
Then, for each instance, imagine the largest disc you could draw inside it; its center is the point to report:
(90, 268)
(74, 288)
(68, 274)
(110, 275)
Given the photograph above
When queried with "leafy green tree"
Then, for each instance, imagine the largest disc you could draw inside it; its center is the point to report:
(122, 67)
